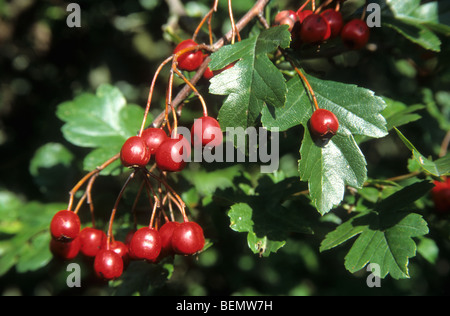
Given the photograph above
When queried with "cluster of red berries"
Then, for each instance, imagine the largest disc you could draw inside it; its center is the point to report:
(170, 153)
(316, 27)
(112, 257)
(441, 196)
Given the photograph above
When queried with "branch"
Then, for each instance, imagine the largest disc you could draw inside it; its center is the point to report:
(254, 12)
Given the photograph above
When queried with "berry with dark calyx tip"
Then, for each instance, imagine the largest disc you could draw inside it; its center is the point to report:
(315, 29)
(65, 250)
(189, 61)
(334, 19)
(108, 265)
(355, 34)
(65, 226)
(323, 124)
(173, 154)
(286, 17)
(135, 153)
(441, 196)
(153, 138)
(206, 131)
(145, 244)
(92, 240)
(188, 238)
(166, 232)
(302, 15)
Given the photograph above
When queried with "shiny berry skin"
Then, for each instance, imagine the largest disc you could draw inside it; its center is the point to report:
(315, 29)
(302, 15)
(145, 244)
(335, 20)
(173, 154)
(92, 240)
(188, 238)
(166, 232)
(65, 226)
(286, 17)
(135, 153)
(189, 61)
(65, 250)
(153, 138)
(355, 34)
(324, 124)
(441, 196)
(206, 131)
(108, 265)
(121, 249)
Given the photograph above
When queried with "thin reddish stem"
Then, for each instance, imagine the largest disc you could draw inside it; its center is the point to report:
(114, 210)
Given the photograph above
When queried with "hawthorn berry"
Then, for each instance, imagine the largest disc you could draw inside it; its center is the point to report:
(108, 265)
(302, 15)
(189, 61)
(166, 232)
(286, 17)
(355, 34)
(92, 240)
(65, 226)
(153, 138)
(206, 131)
(441, 196)
(315, 29)
(188, 238)
(335, 20)
(324, 124)
(121, 249)
(135, 153)
(65, 250)
(145, 244)
(173, 154)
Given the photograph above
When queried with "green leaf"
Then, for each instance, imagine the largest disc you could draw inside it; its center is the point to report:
(328, 169)
(385, 234)
(253, 81)
(398, 114)
(26, 245)
(103, 121)
(265, 219)
(438, 168)
(51, 169)
(419, 22)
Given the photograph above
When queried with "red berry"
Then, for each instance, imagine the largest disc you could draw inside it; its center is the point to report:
(188, 238)
(324, 124)
(302, 15)
(65, 226)
(135, 152)
(92, 240)
(206, 131)
(121, 249)
(145, 244)
(441, 196)
(334, 19)
(189, 61)
(153, 138)
(208, 74)
(173, 154)
(65, 250)
(355, 34)
(166, 232)
(315, 29)
(108, 265)
(286, 17)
